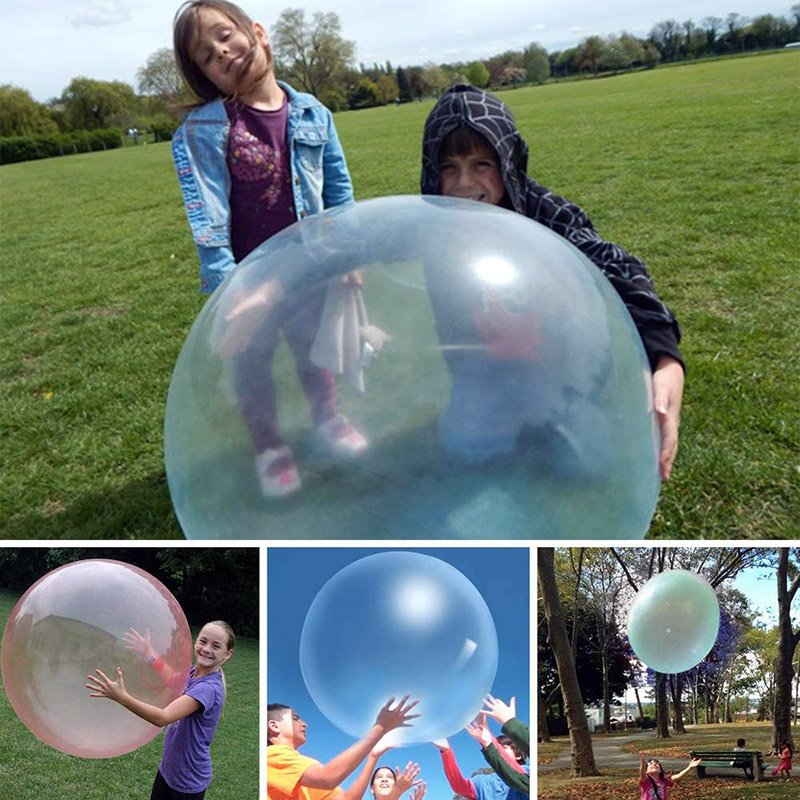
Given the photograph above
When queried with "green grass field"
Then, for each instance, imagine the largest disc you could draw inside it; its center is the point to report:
(31, 770)
(621, 784)
(695, 169)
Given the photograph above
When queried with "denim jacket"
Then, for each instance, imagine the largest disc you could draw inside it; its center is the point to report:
(200, 148)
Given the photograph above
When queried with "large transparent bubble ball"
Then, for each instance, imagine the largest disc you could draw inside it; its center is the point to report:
(399, 623)
(512, 398)
(71, 622)
(673, 621)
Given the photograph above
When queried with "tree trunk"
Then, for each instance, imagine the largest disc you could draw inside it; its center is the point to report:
(677, 701)
(543, 733)
(639, 703)
(583, 764)
(606, 694)
(787, 643)
(662, 707)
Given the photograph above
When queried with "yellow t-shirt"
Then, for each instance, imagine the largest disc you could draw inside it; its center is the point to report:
(285, 767)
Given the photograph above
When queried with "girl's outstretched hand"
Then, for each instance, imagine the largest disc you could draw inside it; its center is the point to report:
(695, 762)
(497, 709)
(441, 744)
(134, 641)
(667, 394)
(419, 791)
(407, 778)
(102, 686)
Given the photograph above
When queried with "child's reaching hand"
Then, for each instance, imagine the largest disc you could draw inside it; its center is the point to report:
(668, 380)
(247, 316)
(497, 709)
(102, 686)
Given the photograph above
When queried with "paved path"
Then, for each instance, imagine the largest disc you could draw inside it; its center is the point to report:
(608, 753)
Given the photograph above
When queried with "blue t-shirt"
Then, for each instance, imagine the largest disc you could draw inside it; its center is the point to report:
(490, 786)
(186, 762)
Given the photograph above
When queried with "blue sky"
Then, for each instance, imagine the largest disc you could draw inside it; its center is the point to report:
(49, 42)
(295, 575)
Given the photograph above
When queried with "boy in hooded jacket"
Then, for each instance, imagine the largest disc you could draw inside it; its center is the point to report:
(472, 149)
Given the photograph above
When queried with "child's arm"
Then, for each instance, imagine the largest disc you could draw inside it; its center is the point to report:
(330, 775)
(134, 641)
(668, 378)
(102, 686)
(458, 783)
(642, 767)
(512, 775)
(679, 775)
(337, 188)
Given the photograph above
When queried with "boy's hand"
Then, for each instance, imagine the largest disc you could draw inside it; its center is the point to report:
(380, 748)
(442, 744)
(497, 709)
(478, 730)
(667, 393)
(391, 718)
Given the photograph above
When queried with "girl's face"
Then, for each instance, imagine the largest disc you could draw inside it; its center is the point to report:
(221, 49)
(654, 767)
(211, 648)
(383, 782)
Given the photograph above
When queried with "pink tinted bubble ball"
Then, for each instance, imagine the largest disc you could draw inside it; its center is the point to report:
(71, 622)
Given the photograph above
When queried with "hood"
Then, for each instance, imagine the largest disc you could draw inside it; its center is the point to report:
(463, 104)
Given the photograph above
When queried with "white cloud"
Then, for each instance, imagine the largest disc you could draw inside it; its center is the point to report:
(100, 14)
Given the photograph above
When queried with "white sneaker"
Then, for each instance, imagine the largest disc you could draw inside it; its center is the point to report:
(339, 438)
(277, 473)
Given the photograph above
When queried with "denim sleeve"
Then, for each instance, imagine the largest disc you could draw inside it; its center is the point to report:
(337, 188)
(213, 250)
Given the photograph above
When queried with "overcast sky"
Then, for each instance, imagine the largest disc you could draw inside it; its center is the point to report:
(49, 42)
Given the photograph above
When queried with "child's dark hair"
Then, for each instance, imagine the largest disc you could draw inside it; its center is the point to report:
(185, 32)
(740, 742)
(275, 711)
(377, 770)
(507, 740)
(464, 141)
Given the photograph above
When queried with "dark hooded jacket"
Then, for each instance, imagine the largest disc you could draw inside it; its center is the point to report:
(464, 105)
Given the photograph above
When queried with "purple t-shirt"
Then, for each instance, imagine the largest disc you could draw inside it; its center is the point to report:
(261, 175)
(186, 762)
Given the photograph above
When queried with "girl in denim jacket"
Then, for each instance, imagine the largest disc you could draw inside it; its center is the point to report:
(256, 157)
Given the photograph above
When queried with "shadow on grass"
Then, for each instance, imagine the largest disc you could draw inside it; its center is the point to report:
(140, 509)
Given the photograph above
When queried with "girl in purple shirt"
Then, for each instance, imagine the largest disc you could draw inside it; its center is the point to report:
(191, 720)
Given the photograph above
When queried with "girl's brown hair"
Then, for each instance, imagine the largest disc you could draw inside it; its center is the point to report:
(185, 32)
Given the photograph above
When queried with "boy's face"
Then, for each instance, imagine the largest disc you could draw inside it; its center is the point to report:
(474, 177)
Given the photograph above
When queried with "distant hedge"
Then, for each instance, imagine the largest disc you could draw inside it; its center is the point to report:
(28, 148)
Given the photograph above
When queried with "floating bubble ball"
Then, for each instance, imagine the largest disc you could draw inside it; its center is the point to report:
(399, 623)
(512, 398)
(673, 621)
(71, 622)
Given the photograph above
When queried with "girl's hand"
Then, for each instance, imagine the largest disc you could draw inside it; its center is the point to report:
(442, 744)
(497, 709)
(354, 278)
(695, 762)
(478, 730)
(406, 779)
(419, 791)
(134, 641)
(247, 316)
(667, 393)
(102, 686)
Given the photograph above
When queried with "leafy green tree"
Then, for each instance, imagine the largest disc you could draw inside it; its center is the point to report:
(161, 77)
(313, 53)
(90, 104)
(535, 63)
(477, 74)
(418, 83)
(403, 89)
(632, 47)
(21, 115)
(435, 77)
(387, 89)
(590, 54)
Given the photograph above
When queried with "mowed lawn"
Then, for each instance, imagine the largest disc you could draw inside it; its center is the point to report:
(693, 168)
(32, 770)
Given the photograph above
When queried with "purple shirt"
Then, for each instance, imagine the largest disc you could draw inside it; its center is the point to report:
(186, 763)
(261, 176)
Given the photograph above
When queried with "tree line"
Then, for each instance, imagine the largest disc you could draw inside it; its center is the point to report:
(584, 594)
(313, 55)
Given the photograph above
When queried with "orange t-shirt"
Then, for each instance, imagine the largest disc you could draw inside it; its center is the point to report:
(285, 767)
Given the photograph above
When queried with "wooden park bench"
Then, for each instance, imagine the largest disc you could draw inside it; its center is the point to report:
(730, 759)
